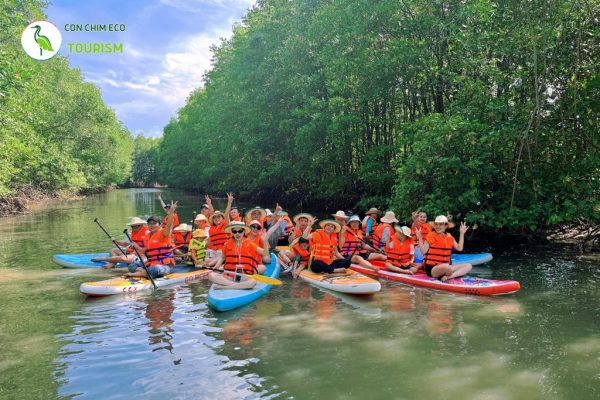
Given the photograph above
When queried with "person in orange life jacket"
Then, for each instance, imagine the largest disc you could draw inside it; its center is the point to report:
(367, 252)
(419, 219)
(255, 214)
(437, 249)
(157, 247)
(324, 248)
(234, 215)
(401, 252)
(240, 255)
(138, 231)
(256, 235)
(385, 230)
(207, 208)
(201, 222)
(369, 223)
(301, 252)
(166, 208)
(340, 217)
(350, 243)
(217, 236)
(182, 235)
(300, 223)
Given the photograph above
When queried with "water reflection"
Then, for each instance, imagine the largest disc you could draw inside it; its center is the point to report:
(300, 341)
(161, 345)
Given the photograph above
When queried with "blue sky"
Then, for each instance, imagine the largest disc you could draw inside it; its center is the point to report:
(165, 51)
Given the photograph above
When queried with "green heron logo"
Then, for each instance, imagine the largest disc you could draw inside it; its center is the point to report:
(41, 40)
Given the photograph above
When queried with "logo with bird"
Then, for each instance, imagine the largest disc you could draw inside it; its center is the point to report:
(41, 40)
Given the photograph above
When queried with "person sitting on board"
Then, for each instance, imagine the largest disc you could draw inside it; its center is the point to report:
(278, 236)
(437, 249)
(234, 215)
(400, 252)
(201, 222)
(138, 231)
(166, 208)
(300, 223)
(256, 214)
(217, 236)
(385, 230)
(301, 252)
(182, 235)
(197, 247)
(369, 223)
(351, 243)
(258, 236)
(241, 256)
(324, 248)
(158, 248)
(340, 217)
(207, 208)
(419, 219)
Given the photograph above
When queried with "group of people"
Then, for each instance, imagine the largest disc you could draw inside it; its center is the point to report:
(236, 246)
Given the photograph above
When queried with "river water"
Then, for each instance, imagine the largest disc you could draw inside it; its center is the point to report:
(298, 342)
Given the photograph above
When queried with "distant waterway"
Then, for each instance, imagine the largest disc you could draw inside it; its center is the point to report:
(299, 342)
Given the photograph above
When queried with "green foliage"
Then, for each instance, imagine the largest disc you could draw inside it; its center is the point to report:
(486, 110)
(56, 133)
(145, 158)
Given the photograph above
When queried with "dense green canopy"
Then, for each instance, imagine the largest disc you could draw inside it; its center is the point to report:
(56, 133)
(482, 108)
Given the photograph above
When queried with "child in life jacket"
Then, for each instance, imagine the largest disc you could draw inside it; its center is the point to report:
(301, 255)
(197, 247)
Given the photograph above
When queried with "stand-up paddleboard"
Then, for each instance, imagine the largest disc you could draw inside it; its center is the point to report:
(344, 282)
(464, 284)
(181, 274)
(229, 299)
(81, 260)
(473, 258)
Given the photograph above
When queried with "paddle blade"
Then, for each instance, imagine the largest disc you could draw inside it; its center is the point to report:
(265, 279)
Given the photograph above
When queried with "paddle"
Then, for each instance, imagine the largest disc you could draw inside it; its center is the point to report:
(110, 237)
(369, 244)
(141, 259)
(259, 278)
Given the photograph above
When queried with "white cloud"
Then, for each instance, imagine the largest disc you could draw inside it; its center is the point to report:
(199, 6)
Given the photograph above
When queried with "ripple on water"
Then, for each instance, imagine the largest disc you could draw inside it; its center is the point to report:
(156, 346)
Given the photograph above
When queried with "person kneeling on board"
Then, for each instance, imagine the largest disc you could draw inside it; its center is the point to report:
(240, 256)
(400, 252)
(158, 248)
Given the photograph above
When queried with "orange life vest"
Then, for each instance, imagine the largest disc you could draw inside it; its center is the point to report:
(373, 227)
(257, 240)
(158, 248)
(400, 254)
(323, 246)
(440, 249)
(304, 254)
(352, 244)
(175, 220)
(138, 237)
(217, 236)
(377, 236)
(290, 226)
(426, 229)
(245, 255)
(181, 239)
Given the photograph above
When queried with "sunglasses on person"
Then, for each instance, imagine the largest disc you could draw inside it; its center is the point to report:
(236, 231)
(255, 227)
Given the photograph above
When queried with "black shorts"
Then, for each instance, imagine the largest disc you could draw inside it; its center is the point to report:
(428, 269)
